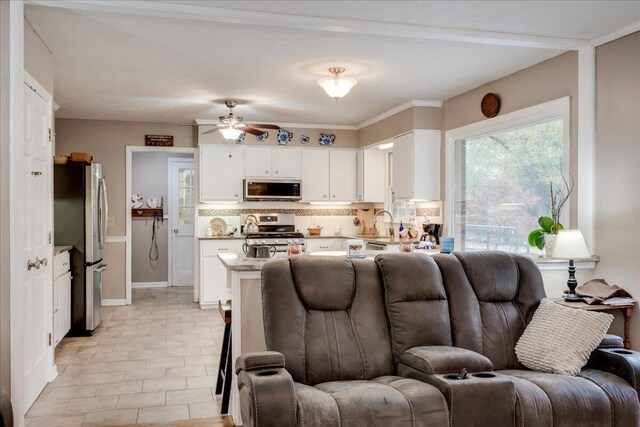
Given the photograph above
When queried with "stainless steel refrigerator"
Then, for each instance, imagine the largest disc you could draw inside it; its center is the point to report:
(80, 220)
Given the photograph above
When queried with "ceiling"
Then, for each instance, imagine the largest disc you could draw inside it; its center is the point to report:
(124, 66)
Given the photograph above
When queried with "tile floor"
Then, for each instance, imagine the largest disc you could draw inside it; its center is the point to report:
(152, 362)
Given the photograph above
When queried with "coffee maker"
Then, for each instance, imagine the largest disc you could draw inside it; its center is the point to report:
(431, 233)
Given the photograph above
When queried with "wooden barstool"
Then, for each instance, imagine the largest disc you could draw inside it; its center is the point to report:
(225, 371)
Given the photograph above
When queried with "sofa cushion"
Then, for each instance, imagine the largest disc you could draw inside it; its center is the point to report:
(383, 401)
(560, 339)
(444, 360)
(414, 295)
(340, 335)
(560, 400)
(492, 296)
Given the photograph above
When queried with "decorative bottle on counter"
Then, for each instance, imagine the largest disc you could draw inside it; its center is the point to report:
(401, 228)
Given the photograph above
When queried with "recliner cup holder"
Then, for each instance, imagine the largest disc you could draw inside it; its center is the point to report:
(484, 375)
(622, 351)
(453, 377)
(267, 373)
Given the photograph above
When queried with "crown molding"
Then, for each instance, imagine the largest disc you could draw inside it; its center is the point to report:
(56, 107)
(624, 31)
(285, 125)
(177, 10)
(398, 109)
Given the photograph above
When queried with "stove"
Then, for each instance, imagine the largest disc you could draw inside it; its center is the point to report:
(275, 230)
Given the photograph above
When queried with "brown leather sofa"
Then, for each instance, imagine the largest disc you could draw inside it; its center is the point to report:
(380, 344)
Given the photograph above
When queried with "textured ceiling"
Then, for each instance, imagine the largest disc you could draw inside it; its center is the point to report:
(124, 67)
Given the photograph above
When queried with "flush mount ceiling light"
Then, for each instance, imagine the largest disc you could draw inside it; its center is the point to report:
(337, 86)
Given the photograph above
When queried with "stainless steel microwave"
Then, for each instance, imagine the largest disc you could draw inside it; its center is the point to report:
(271, 189)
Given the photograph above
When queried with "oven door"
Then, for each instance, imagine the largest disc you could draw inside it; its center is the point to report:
(272, 190)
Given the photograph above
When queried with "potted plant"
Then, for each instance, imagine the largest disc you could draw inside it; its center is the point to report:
(545, 236)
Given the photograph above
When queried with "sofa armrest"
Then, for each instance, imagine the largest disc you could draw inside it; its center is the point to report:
(444, 359)
(611, 341)
(267, 393)
(618, 361)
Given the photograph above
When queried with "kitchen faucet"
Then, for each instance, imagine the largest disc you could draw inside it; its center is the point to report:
(375, 221)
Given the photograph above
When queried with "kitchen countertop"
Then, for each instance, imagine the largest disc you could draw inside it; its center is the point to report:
(234, 237)
(381, 240)
(57, 250)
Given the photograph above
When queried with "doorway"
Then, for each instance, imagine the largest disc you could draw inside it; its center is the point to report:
(161, 192)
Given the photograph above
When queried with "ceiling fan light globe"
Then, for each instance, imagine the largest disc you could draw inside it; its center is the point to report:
(230, 133)
(337, 86)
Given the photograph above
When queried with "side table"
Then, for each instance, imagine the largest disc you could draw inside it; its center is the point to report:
(627, 311)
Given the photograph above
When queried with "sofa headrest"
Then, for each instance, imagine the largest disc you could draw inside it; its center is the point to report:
(493, 275)
(411, 277)
(324, 282)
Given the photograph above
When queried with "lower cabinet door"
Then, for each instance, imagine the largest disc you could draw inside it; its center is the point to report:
(213, 275)
(62, 307)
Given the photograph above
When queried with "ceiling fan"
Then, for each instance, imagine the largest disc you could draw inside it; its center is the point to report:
(231, 126)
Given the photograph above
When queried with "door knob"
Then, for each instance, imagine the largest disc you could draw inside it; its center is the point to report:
(33, 264)
(175, 231)
(44, 262)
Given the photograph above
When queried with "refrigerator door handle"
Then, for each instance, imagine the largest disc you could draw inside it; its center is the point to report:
(103, 212)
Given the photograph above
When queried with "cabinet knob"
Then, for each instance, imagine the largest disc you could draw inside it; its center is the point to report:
(276, 172)
(236, 195)
(230, 155)
(267, 172)
(334, 196)
(324, 196)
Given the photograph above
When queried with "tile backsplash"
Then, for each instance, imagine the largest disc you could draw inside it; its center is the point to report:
(333, 219)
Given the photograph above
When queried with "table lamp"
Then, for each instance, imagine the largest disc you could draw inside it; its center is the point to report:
(570, 245)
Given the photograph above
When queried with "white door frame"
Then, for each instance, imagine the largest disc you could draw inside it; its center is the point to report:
(11, 247)
(170, 207)
(141, 149)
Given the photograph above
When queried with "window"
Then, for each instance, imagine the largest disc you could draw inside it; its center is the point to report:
(501, 181)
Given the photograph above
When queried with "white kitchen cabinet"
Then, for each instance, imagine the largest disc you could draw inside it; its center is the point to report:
(416, 166)
(257, 162)
(221, 173)
(271, 162)
(322, 244)
(213, 275)
(328, 175)
(342, 175)
(371, 173)
(315, 174)
(285, 162)
(61, 296)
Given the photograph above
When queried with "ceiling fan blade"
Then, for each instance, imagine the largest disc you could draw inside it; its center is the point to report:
(252, 131)
(193, 124)
(215, 129)
(263, 126)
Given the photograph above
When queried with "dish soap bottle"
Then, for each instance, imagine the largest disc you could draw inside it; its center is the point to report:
(401, 228)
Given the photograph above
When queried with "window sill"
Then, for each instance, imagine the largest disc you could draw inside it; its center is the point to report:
(552, 264)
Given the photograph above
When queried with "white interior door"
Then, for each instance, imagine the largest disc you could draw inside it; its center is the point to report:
(181, 220)
(38, 263)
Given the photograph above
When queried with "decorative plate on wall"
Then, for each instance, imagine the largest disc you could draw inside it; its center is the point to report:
(154, 202)
(327, 139)
(490, 105)
(305, 139)
(136, 201)
(262, 137)
(284, 136)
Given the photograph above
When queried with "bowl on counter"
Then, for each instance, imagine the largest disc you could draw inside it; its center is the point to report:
(314, 231)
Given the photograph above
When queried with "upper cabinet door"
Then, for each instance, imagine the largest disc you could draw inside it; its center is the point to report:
(403, 167)
(374, 171)
(221, 173)
(342, 176)
(285, 163)
(257, 162)
(315, 175)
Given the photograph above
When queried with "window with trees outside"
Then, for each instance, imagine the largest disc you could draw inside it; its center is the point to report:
(502, 183)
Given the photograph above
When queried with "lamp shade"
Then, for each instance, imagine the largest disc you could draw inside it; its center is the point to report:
(230, 133)
(570, 245)
(337, 86)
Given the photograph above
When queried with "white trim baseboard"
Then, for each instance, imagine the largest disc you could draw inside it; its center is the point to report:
(143, 285)
(110, 302)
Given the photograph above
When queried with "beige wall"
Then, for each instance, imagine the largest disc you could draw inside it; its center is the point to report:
(617, 174)
(150, 178)
(399, 123)
(38, 59)
(107, 140)
(549, 80)
(344, 138)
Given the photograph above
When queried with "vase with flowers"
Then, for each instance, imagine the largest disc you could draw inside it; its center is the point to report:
(545, 236)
